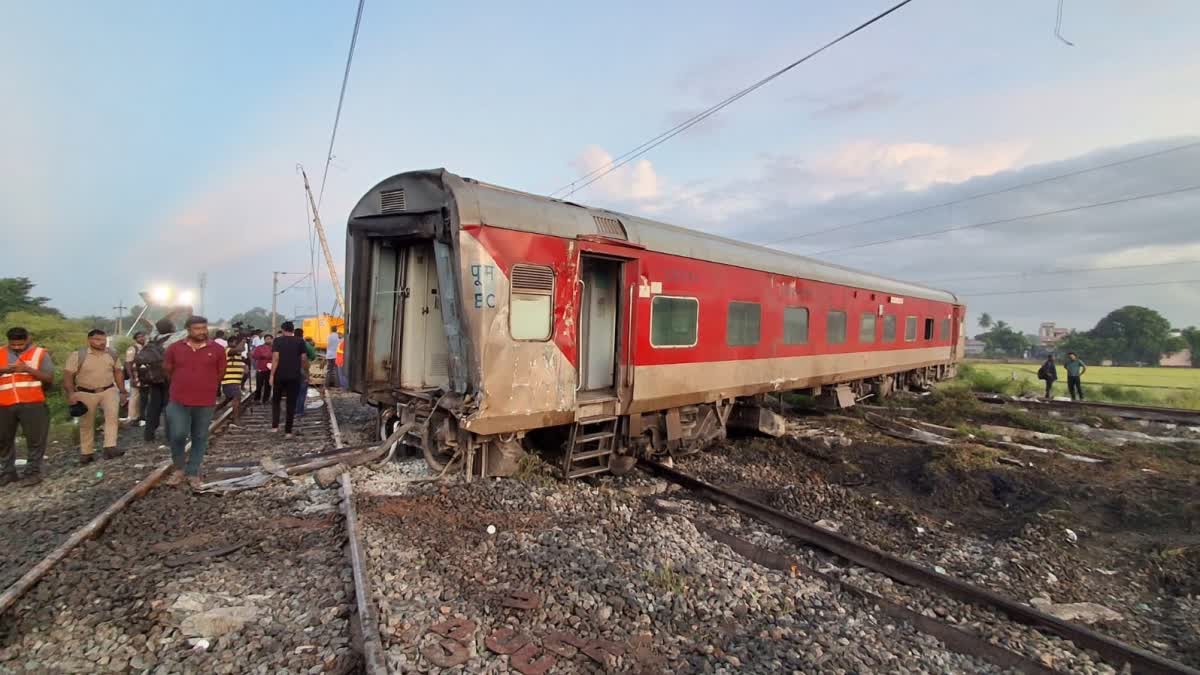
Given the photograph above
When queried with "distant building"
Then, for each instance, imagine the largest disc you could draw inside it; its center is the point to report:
(1180, 359)
(975, 347)
(1050, 335)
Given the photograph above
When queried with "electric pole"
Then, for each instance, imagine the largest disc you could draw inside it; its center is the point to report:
(203, 284)
(120, 309)
(274, 297)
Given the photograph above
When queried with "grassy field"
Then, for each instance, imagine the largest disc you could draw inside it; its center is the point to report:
(1174, 387)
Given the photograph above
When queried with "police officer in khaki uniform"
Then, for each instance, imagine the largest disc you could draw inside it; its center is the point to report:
(93, 376)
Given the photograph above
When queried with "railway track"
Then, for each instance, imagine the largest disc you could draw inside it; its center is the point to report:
(1181, 416)
(166, 581)
(920, 583)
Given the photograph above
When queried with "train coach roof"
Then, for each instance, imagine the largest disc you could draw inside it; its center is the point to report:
(496, 206)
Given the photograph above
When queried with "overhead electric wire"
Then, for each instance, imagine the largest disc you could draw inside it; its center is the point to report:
(981, 195)
(341, 98)
(1076, 270)
(600, 172)
(1083, 288)
(1001, 221)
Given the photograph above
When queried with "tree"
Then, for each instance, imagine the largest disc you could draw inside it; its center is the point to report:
(1002, 340)
(1191, 335)
(15, 297)
(985, 321)
(254, 318)
(1135, 334)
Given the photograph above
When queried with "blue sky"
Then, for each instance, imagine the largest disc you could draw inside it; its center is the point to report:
(146, 142)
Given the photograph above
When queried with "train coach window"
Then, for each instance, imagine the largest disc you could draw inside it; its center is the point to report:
(866, 328)
(673, 321)
(889, 328)
(531, 302)
(928, 329)
(835, 327)
(743, 324)
(945, 329)
(795, 325)
(910, 328)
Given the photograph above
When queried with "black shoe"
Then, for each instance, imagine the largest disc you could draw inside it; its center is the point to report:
(8, 478)
(30, 479)
(113, 453)
(87, 459)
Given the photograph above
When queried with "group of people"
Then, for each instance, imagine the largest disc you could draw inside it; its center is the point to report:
(176, 375)
(1075, 368)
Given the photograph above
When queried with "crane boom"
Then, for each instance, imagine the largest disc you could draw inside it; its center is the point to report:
(333, 275)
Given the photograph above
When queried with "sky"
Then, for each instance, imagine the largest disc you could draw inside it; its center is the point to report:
(145, 143)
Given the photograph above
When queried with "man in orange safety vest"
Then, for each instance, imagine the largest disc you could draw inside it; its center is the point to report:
(25, 370)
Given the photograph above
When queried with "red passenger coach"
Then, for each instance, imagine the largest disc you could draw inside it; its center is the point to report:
(500, 322)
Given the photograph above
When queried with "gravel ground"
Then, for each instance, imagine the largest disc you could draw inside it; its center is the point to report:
(1034, 548)
(599, 571)
(180, 583)
(35, 520)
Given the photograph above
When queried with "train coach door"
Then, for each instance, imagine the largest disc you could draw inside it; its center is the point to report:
(599, 317)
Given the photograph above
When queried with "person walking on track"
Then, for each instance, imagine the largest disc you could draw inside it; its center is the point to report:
(1048, 373)
(1075, 370)
(194, 367)
(153, 377)
(311, 350)
(289, 362)
(332, 376)
(262, 370)
(25, 371)
(93, 376)
(231, 382)
(136, 411)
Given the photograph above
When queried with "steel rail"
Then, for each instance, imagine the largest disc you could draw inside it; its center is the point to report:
(1182, 416)
(94, 526)
(1115, 652)
(374, 662)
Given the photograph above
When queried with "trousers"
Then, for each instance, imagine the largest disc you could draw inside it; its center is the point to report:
(289, 389)
(184, 423)
(156, 404)
(301, 396)
(1049, 386)
(1075, 387)
(109, 402)
(262, 386)
(34, 419)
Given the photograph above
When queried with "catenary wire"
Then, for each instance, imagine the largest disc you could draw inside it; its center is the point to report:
(1082, 288)
(600, 172)
(341, 98)
(1001, 221)
(1075, 270)
(981, 195)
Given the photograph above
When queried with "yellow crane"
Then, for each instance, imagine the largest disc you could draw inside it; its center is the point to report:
(319, 327)
(333, 275)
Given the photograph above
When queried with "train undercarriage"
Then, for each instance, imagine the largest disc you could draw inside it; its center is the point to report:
(612, 443)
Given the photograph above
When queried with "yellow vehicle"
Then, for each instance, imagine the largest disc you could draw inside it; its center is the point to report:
(319, 327)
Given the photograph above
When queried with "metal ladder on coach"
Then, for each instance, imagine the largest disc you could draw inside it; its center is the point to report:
(591, 445)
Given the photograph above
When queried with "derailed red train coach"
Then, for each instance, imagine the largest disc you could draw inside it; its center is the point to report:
(498, 322)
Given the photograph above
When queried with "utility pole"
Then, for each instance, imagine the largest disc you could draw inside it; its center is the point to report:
(203, 284)
(120, 309)
(275, 293)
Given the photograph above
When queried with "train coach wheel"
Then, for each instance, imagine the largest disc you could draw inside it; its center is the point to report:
(387, 426)
(439, 442)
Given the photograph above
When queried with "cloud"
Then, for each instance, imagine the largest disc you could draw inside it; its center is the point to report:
(872, 95)
(1143, 255)
(785, 196)
(633, 182)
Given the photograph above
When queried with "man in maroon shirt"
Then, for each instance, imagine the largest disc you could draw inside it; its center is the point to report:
(195, 367)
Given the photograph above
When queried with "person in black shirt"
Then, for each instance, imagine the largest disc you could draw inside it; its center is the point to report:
(289, 362)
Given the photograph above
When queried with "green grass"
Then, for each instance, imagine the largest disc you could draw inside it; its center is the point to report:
(1172, 387)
